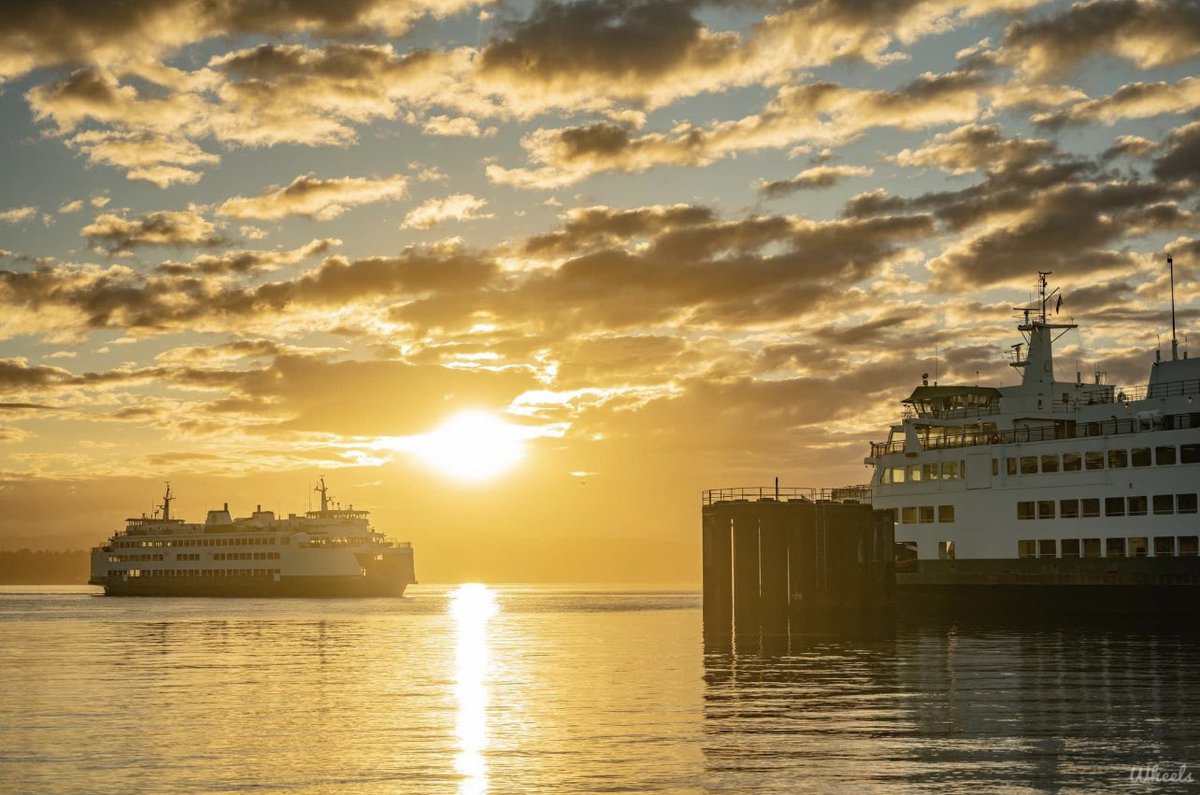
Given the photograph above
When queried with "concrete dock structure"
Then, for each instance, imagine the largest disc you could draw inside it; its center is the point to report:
(788, 561)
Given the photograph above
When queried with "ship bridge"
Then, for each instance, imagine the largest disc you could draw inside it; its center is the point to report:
(939, 402)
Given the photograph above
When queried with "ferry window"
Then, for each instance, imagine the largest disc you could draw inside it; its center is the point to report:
(1164, 503)
(1164, 546)
(1025, 510)
(1093, 459)
(1048, 548)
(1137, 506)
(1185, 503)
(1091, 547)
(946, 550)
(912, 473)
(908, 514)
(897, 474)
(1164, 456)
(1089, 507)
(1137, 547)
(1010, 466)
(1068, 509)
(1045, 509)
(1187, 546)
(1070, 548)
(1029, 464)
(929, 472)
(995, 467)
(1118, 459)
(1026, 549)
(1050, 462)
(1189, 453)
(950, 470)
(926, 513)
(1114, 506)
(1114, 547)
(945, 513)
(1140, 456)
(1072, 462)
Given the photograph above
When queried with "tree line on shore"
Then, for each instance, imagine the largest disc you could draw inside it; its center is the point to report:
(44, 567)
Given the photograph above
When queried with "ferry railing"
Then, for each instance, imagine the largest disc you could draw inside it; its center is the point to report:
(1112, 427)
(1089, 395)
(858, 493)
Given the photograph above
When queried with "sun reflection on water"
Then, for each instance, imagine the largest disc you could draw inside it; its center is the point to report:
(472, 605)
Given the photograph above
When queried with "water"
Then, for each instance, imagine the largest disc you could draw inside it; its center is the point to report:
(551, 690)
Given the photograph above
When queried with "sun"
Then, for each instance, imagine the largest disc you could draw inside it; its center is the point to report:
(471, 445)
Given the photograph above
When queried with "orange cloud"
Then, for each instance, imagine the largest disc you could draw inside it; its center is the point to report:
(311, 197)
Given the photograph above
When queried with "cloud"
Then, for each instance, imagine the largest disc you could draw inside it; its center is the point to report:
(1064, 228)
(457, 207)
(73, 206)
(820, 112)
(117, 234)
(162, 160)
(599, 226)
(725, 274)
(311, 197)
(811, 179)
(1133, 146)
(17, 215)
(973, 147)
(16, 373)
(288, 93)
(1147, 33)
(248, 261)
(594, 54)
(586, 53)
(137, 33)
(463, 126)
(294, 393)
(1180, 154)
(1130, 101)
(95, 95)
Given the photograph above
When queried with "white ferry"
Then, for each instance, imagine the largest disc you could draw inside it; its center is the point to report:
(328, 553)
(1050, 493)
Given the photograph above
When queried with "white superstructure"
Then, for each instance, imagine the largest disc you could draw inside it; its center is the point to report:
(1046, 469)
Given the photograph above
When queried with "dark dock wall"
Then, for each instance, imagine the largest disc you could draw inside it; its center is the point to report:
(775, 567)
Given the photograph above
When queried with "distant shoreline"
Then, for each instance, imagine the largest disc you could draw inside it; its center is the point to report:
(44, 567)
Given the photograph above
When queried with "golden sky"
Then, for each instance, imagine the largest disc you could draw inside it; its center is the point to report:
(523, 278)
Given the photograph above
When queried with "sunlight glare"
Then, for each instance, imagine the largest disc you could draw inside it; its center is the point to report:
(472, 605)
(472, 445)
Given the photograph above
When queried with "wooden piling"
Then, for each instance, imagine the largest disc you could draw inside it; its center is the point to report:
(795, 565)
(718, 574)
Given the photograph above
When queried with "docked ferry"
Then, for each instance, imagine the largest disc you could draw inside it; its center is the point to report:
(331, 552)
(1048, 494)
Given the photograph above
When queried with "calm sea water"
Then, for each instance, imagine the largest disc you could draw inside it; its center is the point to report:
(549, 690)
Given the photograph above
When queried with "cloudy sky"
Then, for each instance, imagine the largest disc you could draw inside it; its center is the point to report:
(662, 245)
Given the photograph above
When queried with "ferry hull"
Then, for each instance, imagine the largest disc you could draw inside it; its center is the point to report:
(1052, 588)
(324, 586)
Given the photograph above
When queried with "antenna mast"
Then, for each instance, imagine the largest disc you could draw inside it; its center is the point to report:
(324, 495)
(166, 506)
(1174, 342)
(1042, 290)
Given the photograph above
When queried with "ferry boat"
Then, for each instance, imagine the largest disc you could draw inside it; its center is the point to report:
(1048, 495)
(331, 552)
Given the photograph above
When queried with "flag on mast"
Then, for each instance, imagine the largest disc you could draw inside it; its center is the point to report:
(1058, 306)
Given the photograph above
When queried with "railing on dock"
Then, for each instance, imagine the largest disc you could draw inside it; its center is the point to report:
(848, 494)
